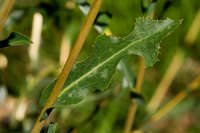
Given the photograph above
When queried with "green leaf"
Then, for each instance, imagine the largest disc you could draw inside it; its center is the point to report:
(14, 39)
(101, 23)
(52, 128)
(95, 73)
(128, 75)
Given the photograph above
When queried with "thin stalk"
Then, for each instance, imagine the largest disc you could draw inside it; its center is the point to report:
(3, 61)
(171, 104)
(177, 99)
(165, 82)
(69, 63)
(36, 38)
(163, 111)
(21, 108)
(4, 13)
(133, 107)
(140, 77)
(64, 50)
(194, 30)
(194, 84)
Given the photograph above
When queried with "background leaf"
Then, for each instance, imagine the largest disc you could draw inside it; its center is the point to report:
(14, 39)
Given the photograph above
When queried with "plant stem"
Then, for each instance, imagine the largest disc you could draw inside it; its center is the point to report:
(165, 82)
(4, 13)
(172, 103)
(163, 111)
(64, 49)
(194, 84)
(36, 38)
(177, 99)
(133, 107)
(194, 30)
(140, 78)
(69, 63)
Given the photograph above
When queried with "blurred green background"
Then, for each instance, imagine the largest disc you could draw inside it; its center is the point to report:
(23, 78)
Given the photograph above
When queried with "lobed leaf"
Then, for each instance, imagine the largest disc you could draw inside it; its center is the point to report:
(95, 73)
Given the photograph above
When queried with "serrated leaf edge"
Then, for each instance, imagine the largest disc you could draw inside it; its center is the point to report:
(110, 58)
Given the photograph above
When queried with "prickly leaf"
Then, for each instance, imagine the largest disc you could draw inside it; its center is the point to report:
(95, 73)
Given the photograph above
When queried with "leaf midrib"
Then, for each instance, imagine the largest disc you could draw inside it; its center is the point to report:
(107, 60)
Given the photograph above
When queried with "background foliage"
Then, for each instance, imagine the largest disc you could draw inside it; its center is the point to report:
(21, 84)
